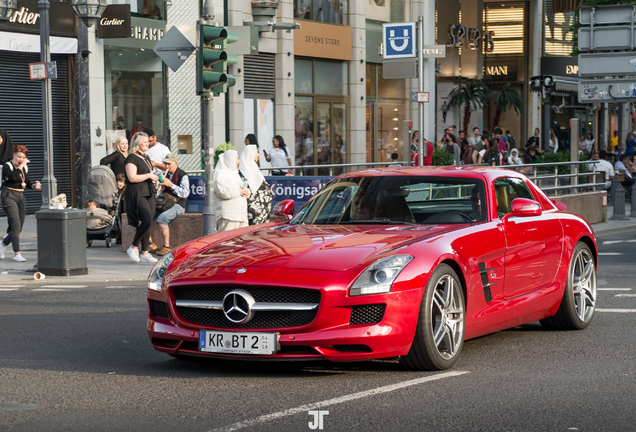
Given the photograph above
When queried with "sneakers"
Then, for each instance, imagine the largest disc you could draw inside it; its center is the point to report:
(18, 258)
(3, 248)
(165, 250)
(153, 248)
(148, 258)
(133, 253)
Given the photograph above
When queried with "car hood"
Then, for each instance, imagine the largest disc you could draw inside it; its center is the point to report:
(313, 247)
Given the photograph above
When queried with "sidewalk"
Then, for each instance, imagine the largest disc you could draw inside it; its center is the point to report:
(113, 265)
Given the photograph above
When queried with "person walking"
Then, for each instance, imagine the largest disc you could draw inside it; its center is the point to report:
(140, 197)
(175, 191)
(156, 151)
(6, 147)
(260, 201)
(279, 157)
(15, 178)
(117, 158)
(230, 193)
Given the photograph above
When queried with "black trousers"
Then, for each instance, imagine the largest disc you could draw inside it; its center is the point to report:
(146, 210)
(15, 208)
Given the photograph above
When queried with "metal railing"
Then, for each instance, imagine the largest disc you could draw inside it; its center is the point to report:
(538, 173)
(550, 182)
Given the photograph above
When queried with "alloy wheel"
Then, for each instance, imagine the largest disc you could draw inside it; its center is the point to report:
(447, 315)
(584, 285)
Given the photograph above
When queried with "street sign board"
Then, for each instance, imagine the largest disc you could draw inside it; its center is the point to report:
(174, 49)
(413, 96)
(399, 40)
(611, 14)
(434, 51)
(612, 90)
(42, 70)
(422, 97)
(612, 38)
(399, 69)
(607, 64)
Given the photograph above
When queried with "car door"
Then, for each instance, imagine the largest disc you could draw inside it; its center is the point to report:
(533, 244)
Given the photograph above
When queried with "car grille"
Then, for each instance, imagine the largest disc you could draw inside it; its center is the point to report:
(261, 320)
(367, 314)
(159, 309)
(352, 348)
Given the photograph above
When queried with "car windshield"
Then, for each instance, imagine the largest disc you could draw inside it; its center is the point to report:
(396, 200)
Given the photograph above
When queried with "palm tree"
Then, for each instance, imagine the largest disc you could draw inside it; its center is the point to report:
(506, 98)
(470, 94)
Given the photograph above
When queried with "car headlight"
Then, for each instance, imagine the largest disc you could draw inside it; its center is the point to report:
(378, 277)
(159, 271)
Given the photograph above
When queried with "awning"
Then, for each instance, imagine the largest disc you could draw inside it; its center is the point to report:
(31, 43)
(565, 85)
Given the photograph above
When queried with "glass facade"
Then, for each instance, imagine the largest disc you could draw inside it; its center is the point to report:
(135, 97)
(328, 11)
(153, 9)
(321, 113)
(558, 39)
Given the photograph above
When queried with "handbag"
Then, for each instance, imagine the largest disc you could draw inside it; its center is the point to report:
(165, 202)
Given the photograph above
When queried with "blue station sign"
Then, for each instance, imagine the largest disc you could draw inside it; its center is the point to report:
(399, 40)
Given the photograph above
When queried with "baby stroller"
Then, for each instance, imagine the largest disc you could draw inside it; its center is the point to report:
(102, 188)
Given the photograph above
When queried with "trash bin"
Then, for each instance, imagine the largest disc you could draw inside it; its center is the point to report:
(61, 242)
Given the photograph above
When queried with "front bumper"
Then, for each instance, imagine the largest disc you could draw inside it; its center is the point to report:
(329, 336)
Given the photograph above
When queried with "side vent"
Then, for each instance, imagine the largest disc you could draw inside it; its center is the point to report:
(485, 282)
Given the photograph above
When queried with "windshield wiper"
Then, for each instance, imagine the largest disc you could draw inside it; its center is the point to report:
(378, 222)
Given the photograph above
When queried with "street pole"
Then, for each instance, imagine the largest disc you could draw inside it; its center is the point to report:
(429, 73)
(49, 183)
(209, 222)
(420, 76)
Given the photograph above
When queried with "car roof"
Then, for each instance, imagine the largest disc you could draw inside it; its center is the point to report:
(464, 171)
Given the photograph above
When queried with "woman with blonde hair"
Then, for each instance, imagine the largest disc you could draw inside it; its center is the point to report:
(140, 197)
(117, 159)
(260, 201)
(230, 194)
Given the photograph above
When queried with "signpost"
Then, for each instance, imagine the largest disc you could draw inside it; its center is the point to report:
(399, 40)
(43, 70)
(607, 64)
(422, 97)
(174, 49)
(601, 91)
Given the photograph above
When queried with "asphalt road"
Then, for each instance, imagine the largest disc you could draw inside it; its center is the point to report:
(78, 359)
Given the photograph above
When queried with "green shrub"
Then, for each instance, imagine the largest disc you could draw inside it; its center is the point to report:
(442, 157)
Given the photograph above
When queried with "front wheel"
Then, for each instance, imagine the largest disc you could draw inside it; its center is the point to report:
(439, 336)
(579, 297)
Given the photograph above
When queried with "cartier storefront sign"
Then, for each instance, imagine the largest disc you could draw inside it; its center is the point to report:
(115, 22)
(322, 41)
(27, 19)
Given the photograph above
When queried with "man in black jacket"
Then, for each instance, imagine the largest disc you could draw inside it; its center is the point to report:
(6, 147)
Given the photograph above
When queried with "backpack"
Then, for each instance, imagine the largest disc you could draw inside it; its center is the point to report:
(512, 141)
(468, 155)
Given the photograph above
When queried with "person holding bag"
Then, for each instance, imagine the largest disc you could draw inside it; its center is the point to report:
(230, 194)
(140, 197)
(175, 189)
(260, 201)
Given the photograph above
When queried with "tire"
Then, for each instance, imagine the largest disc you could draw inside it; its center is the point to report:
(579, 297)
(108, 241)
(442, 318)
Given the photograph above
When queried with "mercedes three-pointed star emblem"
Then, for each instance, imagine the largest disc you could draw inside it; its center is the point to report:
(237, 306)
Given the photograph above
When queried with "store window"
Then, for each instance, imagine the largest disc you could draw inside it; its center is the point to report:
(135, 96)
(558, 37)
(321, 114)
(387, 110)
(154, 9)
(329, 11)
(507, 21)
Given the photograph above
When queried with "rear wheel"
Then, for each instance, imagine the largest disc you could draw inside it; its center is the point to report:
(439, 337)
(579, 297)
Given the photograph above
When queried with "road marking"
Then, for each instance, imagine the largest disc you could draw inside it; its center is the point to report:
(334, 401)
(613, 289)
(12, 286)
(610, 253)
(8, 289)
(47, 289)
(14, 406)
(609, 242)
(617, 310)
(64, 286)
(625, 295)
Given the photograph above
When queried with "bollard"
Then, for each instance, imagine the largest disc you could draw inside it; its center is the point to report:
(619, 202)
(612, 196)
(633, 213)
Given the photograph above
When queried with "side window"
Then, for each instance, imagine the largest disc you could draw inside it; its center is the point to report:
(506, 190)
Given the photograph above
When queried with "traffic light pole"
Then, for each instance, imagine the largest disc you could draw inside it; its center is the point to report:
(209, 222)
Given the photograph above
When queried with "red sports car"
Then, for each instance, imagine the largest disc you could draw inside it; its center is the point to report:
(396, 262)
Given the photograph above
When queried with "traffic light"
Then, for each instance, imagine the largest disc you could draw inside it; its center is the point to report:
(213, 59)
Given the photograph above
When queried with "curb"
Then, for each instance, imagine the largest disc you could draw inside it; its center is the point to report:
(613, 230)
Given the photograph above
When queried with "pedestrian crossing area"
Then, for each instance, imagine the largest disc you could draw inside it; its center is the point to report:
(65, 288)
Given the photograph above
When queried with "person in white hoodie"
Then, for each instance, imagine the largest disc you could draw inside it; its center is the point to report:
(230, 193)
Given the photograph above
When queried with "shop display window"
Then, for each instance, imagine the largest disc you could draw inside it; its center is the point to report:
(328, 11)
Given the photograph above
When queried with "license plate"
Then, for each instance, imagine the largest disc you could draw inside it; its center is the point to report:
(238, 343)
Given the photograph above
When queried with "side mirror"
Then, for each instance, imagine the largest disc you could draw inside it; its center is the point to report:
(286, 209)
(524, 207)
